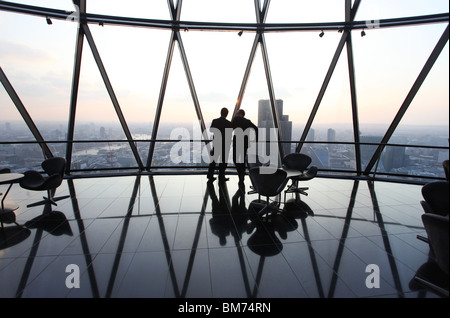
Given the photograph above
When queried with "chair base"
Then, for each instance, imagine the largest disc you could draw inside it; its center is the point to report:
(293, 188)
(423, 238)
(267, 208)
(46, 200)
(432, 286)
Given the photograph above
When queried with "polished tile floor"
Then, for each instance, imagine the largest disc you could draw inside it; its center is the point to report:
(171, 236)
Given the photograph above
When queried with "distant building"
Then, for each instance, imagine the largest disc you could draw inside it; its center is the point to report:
(311, 135)
(367, 151)
(265, 120)
(331, 135)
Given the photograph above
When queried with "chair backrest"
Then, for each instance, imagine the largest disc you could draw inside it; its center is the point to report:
(311, 173)
(436, 194)
(268, 184)
(55, 165)
(445, 164)
(297, 161)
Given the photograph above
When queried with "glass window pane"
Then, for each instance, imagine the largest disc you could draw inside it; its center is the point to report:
(55, 4)
(155, 9)
(295, 11)
(385, 9)
(219, 11)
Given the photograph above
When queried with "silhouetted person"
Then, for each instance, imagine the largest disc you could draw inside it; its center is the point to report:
(221, 146)
(241, 142)
(220, 222)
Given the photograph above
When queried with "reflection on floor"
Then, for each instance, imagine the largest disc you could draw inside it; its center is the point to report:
(175, 236)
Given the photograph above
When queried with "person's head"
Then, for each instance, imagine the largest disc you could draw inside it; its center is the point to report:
(240, 113)
(224, 112)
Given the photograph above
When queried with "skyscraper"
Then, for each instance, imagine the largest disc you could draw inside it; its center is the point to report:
(265, 120)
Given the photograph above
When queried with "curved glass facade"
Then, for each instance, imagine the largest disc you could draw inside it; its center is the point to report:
(361, 86)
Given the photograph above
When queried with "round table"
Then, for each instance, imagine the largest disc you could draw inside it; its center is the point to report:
(8, 178)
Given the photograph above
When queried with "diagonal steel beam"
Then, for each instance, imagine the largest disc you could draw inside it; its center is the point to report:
(24, 113)
(349, 16)
(112, 95)
(273, 101)
(159, 106)
(351, 74)
(74, 92)
(409, 98)
(246, 74)
(260, 17)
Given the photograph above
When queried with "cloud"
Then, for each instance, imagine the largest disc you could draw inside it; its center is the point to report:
(18, 52)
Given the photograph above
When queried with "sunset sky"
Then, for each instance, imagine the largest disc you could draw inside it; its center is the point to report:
(38, 60)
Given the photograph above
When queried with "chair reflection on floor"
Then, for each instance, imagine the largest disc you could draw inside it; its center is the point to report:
(53, 222)
(13, 235)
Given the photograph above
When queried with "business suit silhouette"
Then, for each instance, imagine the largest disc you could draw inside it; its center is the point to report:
(239, 152)
(221, 146)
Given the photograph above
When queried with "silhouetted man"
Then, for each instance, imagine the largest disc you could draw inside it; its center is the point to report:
(241, 142)
(221, 145)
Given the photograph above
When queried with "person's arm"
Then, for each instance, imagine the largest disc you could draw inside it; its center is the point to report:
(255, 128)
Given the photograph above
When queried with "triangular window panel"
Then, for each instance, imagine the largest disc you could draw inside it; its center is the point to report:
(99, 139)
(257, 106)
(137, 78)
(298, 82)
(217, 68)
(425, 123)
(179, 123)
(39, 68)
(334, 122)
(385, 77)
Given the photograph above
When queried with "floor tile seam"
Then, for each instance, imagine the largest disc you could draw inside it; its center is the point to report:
(119, 285)
(210, 275)
(330, 266)
(251, 270)
(110, 235)
(283, 254)
(27, 251)
(29, 282)
(383, 277)
(143, 234)
(405, 263)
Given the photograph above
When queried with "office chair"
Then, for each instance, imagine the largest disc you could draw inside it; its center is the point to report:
(437, 228)
(436, 224)
(300, 162)
(35, 181)
(268, 185)
(435, 200)
(445, 165)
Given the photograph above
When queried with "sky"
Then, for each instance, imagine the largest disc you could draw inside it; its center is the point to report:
(38, 60)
